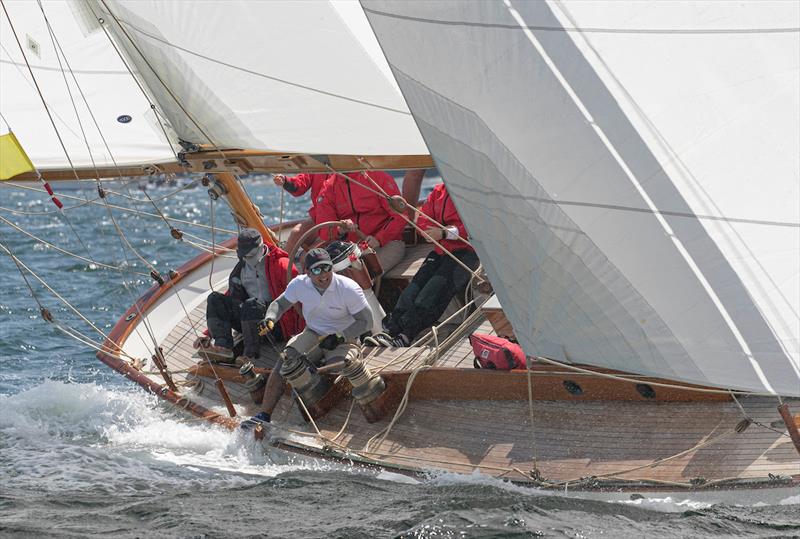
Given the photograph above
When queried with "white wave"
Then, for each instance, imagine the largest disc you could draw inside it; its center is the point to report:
(667, 504)
(86, 436)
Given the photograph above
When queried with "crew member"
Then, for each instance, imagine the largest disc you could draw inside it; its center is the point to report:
(336, 315)
(298, 186)
(355, 199)
(439, 278)
(258, 277)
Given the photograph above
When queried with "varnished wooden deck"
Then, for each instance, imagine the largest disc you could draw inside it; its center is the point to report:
(569, 440)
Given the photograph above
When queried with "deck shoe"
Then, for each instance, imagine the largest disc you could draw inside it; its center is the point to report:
(383, 339)
(216, 354)
(259, 419)
(263, 417)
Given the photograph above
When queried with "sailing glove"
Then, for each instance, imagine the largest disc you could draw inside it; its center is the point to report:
(331, 341)
(265, 326)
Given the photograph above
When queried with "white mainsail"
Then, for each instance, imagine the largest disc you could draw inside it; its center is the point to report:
(629, 172)
(123, 115)
(286, 76)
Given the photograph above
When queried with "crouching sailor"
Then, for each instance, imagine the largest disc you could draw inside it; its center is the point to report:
(259, 276)
(336, 314)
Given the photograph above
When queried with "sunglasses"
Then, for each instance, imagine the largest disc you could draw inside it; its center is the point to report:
(319, 270)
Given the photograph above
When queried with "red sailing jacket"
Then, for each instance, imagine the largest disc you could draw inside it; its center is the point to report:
(347, 199)
(439, 207)
(302, 183)
(276, 262)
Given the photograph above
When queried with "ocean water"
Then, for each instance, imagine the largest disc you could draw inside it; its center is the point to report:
(84, 452)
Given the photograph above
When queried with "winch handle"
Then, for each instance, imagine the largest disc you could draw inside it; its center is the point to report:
(313, 230)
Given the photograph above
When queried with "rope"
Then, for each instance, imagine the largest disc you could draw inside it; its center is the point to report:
(280, 216)
(751, 420)
(213, 243)
(94, 202)
(86, 340)
(66, 153)
(69, 253)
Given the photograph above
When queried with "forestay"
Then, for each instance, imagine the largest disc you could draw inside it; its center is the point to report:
(628, 170)
(121, 111)
(305, 77)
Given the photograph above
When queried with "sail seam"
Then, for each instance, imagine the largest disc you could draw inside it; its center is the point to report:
(594, 30)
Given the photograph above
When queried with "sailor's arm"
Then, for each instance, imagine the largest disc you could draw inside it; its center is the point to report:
(361, 324)
(274, 312)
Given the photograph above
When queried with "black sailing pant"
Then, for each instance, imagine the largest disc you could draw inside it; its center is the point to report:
(224, 314)
(426, 297)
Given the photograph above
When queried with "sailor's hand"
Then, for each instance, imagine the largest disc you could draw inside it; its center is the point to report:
(372, 242)
(435, 233)
(348, 225)
(329, 342)
(265, 326)
(279, 179)
(201, 342)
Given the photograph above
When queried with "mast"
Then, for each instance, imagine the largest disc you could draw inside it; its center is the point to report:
(245, 212)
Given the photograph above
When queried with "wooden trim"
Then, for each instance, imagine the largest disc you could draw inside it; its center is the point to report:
(238, 162)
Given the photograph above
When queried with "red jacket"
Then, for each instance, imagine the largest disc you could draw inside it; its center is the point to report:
(276, 263)
(346, 199)
(300, 184)
(439, 207)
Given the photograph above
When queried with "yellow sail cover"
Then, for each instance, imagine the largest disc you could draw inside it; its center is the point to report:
(13, 159)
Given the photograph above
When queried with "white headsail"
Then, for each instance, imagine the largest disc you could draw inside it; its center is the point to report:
(123, 115)
(629, 171)
(286, 76)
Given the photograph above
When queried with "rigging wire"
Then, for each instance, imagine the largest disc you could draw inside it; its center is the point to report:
(69, 253)
(94, 202)
(52, 122)
(46, 314)
(120, 234)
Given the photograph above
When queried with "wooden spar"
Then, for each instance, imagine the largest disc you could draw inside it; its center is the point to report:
(791, 424)
(243, 207)
(225, 397)
(238, 162)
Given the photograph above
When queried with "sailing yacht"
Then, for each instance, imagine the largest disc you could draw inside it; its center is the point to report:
(628, 172)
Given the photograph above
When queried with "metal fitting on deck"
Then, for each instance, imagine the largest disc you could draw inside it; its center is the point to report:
(310, 385)
(366, 386)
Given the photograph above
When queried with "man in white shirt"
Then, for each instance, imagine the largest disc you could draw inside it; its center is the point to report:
(336, 313)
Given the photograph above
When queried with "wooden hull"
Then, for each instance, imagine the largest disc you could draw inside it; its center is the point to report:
(458, 419)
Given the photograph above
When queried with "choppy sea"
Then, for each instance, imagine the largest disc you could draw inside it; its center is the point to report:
(83, 452)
